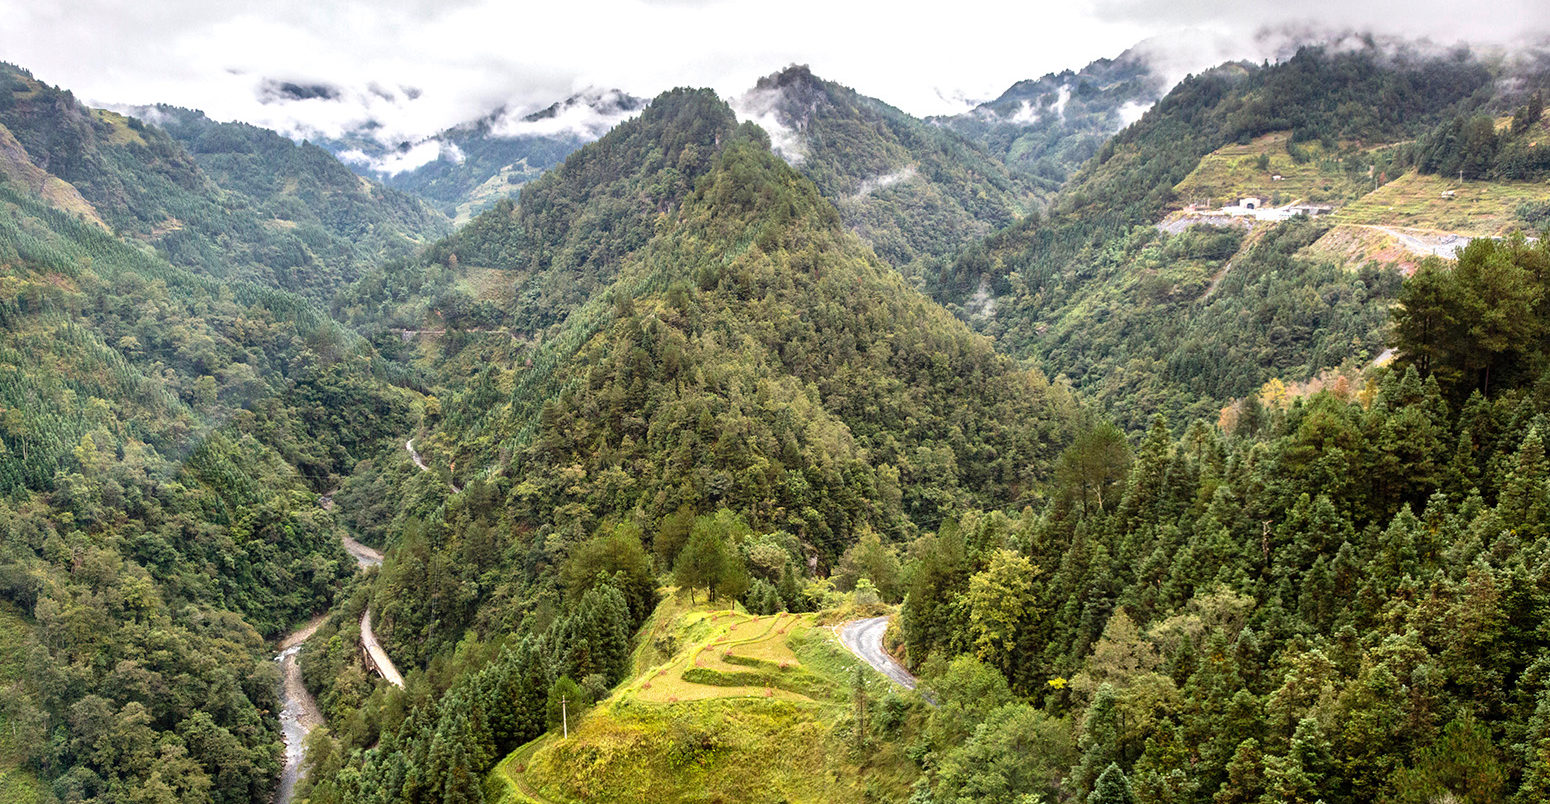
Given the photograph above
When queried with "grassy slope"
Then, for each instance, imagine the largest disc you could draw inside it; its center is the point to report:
(748, 733)
(1414, 201)
(16, 784)
(1232, 172)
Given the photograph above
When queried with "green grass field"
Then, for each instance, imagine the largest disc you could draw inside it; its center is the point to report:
(744, 709)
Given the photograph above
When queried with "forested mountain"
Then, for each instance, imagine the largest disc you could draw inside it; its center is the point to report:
(1148, 320)
(245, 204)
(1335, 599)
(304, 189)
(749, 371)
(915, 191)
(1047, 128)
(468, 167)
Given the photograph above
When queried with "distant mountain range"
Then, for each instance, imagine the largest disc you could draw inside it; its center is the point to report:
(1048, 127)
(467, 167)
(1023, 144)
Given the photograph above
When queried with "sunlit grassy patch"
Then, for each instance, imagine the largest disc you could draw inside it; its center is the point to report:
(1418, 202)
(687, 727)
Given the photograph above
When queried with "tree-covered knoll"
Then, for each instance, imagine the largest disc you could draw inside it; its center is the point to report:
(246, 204)
(1472, 146)
(752, 356)
(564, 240)
(752, 394)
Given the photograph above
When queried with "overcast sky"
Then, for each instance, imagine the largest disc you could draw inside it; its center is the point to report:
(418, 66)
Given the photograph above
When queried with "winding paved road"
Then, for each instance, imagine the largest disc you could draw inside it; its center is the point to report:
(299, 712)
(366, 557)
(865, 639)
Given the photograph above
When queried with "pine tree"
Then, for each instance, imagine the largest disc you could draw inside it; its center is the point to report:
(1112, 787)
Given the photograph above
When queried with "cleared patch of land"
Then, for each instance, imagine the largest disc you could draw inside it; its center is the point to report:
(738, 656)
(1237, 171)
(1417, 202)
(1355, 245)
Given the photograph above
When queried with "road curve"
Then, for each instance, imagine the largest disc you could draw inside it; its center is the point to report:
(364, 556)
(415, 455)
(379, 656)
(419, 460)
(865, 639)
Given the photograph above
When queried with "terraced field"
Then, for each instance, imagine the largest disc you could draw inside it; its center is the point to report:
(723, 706)
(1416, 202)
(741, 656)
(1233, 172)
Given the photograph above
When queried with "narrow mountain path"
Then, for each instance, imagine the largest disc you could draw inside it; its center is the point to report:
(514, 768)
(1216, 281)
(415, 456)
(865, 639)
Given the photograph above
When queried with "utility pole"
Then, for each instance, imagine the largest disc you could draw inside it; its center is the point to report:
(565, 716)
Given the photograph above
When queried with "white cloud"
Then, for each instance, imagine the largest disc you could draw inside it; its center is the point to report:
(1026, 115)
(761, 106)
(416, 67)
(1063, 98)
(872, 185)
(413, 157)
(587, 115)
(1131, 111)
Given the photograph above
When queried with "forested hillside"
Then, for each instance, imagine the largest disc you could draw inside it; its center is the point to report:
(163, 437)
(1337, 599)
(638, 442)
(245, 204)
(915, 191)
(1151, 321)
